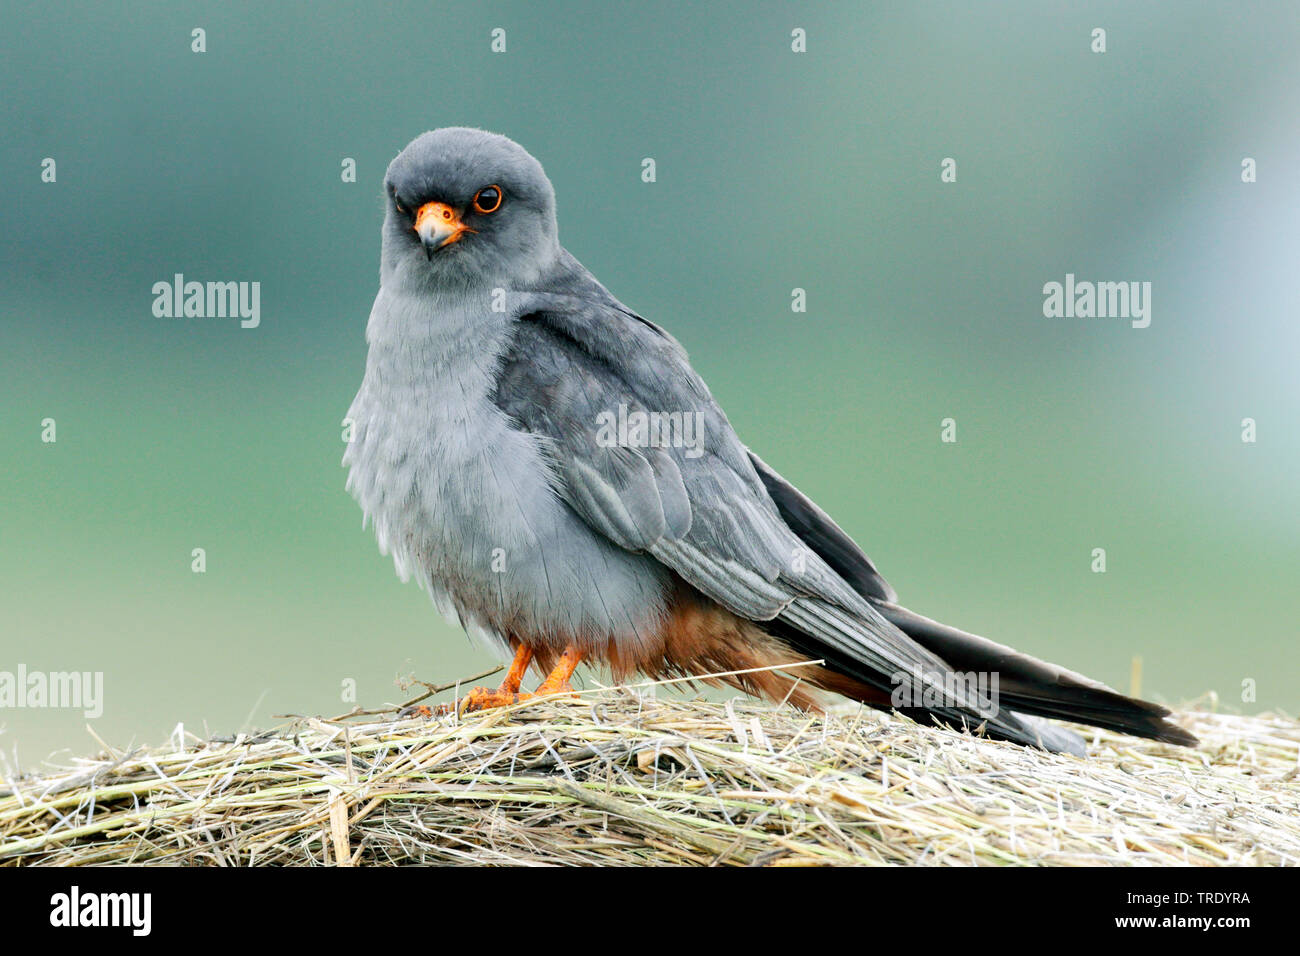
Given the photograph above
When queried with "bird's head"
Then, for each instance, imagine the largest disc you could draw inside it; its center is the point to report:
(466, 207)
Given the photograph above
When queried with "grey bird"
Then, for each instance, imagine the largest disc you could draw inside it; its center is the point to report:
(518, 444)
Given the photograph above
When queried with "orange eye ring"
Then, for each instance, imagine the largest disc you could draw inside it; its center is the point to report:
(490, 203)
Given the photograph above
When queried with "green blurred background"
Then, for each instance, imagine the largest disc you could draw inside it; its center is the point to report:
(775, 170)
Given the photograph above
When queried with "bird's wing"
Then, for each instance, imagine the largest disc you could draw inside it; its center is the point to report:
(578, 359)
(574, 373)
(734, 529)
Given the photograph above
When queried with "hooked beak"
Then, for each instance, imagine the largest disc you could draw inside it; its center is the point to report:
(438, 225)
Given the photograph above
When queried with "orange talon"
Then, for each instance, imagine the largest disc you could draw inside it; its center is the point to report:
(481, 698)
(557, 682)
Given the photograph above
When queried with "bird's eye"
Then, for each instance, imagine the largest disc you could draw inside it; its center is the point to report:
(400, 207)
(487, 199)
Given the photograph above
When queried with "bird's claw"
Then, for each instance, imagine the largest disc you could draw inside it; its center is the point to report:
(485, 698)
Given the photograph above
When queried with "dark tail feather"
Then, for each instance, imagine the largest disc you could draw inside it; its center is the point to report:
(1017, 728)
(852, 678)
(1026, 686)
(1029, 686)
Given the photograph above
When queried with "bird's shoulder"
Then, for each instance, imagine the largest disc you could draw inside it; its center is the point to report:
(578, 349)
(569, 308)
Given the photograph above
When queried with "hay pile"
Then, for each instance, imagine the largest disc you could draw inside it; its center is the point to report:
(620, 777)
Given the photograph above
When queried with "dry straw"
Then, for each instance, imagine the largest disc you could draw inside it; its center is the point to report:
(621, 777)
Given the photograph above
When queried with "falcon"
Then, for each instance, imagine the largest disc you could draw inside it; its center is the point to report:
(483, 454)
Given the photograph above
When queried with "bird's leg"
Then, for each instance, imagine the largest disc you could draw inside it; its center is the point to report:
(557, 682)
(480, 698)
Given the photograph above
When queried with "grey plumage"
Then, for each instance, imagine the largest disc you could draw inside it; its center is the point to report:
(476, 455)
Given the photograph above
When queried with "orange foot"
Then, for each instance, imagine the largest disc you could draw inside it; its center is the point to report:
(481, 698)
